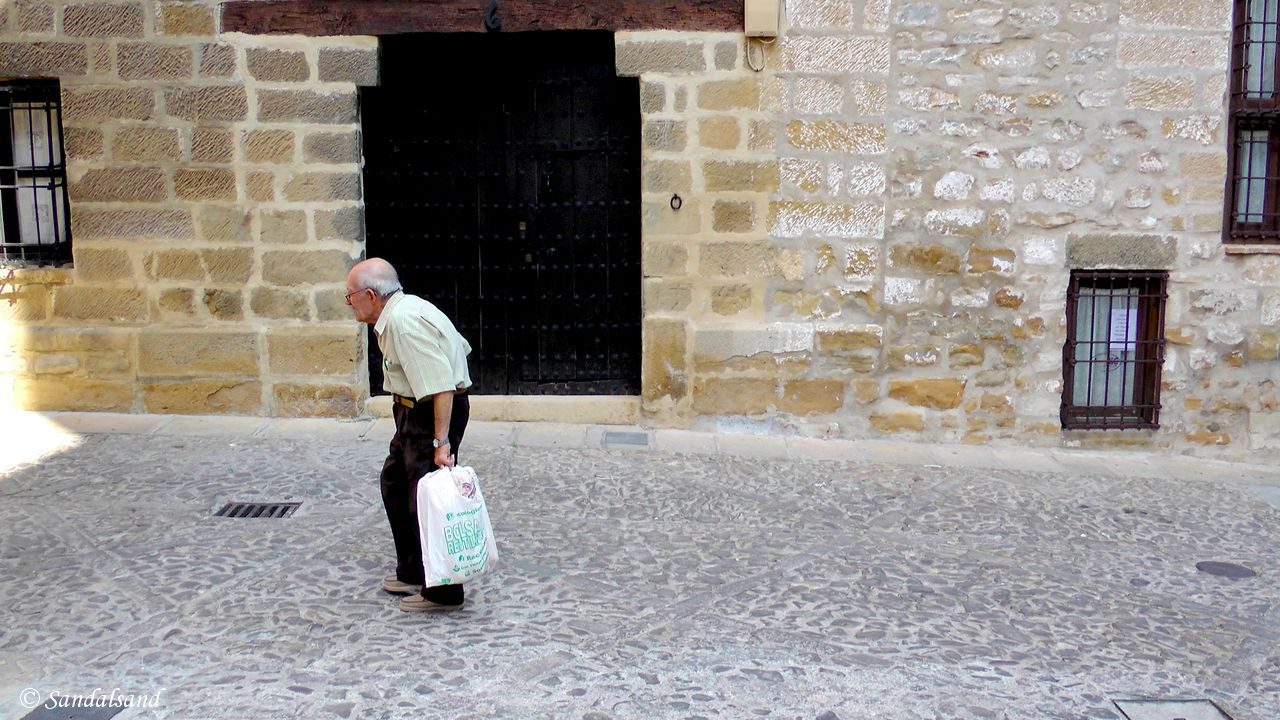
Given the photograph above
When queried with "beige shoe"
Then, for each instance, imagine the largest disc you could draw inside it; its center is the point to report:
(417, 603)
(392, 585)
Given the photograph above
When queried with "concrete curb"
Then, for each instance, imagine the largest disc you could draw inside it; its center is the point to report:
(632, 438)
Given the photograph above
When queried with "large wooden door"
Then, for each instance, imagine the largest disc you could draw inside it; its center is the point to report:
(504, 186)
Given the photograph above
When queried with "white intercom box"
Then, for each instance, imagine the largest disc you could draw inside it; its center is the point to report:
(762, 17)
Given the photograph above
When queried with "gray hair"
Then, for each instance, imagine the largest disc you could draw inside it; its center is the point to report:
(377, 275)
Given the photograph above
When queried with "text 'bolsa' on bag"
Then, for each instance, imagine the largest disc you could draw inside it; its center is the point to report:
(453, 522)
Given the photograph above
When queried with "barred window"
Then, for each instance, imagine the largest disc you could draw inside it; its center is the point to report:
(34, 226)
(1114, 349)
(1252, 214)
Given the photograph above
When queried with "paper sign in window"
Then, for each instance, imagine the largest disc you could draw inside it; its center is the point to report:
(1124, 330)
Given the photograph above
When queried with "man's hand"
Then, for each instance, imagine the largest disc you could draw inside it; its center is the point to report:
(444, 456)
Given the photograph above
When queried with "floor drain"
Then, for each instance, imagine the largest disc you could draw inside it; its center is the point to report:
(72, 713)
(1225, 569)
(613, 437)
(1171, 710)
(258, 510)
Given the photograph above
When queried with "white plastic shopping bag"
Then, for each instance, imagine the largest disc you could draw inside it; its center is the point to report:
(453, 522)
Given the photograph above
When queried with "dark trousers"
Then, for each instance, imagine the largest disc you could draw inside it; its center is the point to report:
(409, 458)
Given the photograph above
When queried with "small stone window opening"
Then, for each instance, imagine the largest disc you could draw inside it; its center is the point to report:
(1114, 350)
(34, 226)
(1253, 196)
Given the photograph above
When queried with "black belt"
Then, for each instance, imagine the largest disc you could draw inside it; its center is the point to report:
(409, 403)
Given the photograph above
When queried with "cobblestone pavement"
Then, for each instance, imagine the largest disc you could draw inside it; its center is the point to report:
(903, 582)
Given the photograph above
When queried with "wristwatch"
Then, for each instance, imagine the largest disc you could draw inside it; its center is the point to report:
(437, 442)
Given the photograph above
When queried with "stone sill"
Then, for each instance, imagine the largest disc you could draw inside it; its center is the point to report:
(1255, 249)
(578, 409)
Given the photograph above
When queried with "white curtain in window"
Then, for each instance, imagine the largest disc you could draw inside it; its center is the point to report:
(1106, 348)
(1260, 49)
(1251, 172)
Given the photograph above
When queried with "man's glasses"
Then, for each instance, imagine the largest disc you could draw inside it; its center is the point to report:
(347, 297)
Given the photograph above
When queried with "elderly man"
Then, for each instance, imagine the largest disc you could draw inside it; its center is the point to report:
(425, 368)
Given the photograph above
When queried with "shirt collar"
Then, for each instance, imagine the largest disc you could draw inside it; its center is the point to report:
(383, 317)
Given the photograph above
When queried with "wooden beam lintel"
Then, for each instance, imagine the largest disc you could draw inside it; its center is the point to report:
(394, 17)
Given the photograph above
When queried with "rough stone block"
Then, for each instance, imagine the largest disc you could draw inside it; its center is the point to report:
(937, 393)
(734, 396)
(222, 224)
(103, 20)
(862, 337)
(260, 186)
(665, 135)
(668, 57)
(730, 299)
(898, 421)
(742, 176)
(991, 260)
(204, 184)
(340, 224)
(83, 143)
(224, 304)
(25, 304)
(737, 94)
(1120, 251)
(283, 227)
(146, 144)
(932, 259)
(228, 265)
(307, 400)
(307, 106)
(203, 397)
(174, 265)
(87, 223)
(323, 187)
(102, 264)
(42, 59)
(89, 104)
(358, 66)
(278, 303)
(331, 148)
(719, 133)
(331, 306)
(1166, 51)
(287, 267)
(1187, 14)
(834, 136)
(197, 353)
(811, 397)
(227, 103)
(664, 258)
(966, 355)
(185, 18)
(269, 65)
(835, 55)
(60, 392)
(120, 185)
(146, 61)
(665, 373)
(1145, 92)
(733, 217)
(653, 97)
(212, 145)
(736, 259)
(795, 218)
(663, 176)
(32, 18)
(956, 222)
(268, 146)
(84, 302)
(314, 351)
(217, 60)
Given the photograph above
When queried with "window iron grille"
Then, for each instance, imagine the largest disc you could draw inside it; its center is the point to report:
(35, 228)
(1253, 158)
(1114, 351)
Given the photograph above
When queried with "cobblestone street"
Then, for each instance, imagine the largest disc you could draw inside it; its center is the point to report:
(688, 576)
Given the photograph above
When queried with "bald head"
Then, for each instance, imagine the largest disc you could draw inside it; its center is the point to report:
(375, 274)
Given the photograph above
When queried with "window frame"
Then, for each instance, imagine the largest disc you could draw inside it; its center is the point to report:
(21, 184)
(1143, 413)
(1245, 113)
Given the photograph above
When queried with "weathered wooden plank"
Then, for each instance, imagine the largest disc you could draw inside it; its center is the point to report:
(391, 17)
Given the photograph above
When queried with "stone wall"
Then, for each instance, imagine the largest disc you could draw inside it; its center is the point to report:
(878, 229)
(871, 237)
(215, 200)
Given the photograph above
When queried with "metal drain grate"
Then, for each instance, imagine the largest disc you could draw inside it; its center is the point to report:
(1171, 710)
(258, 510)
(614, 437)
